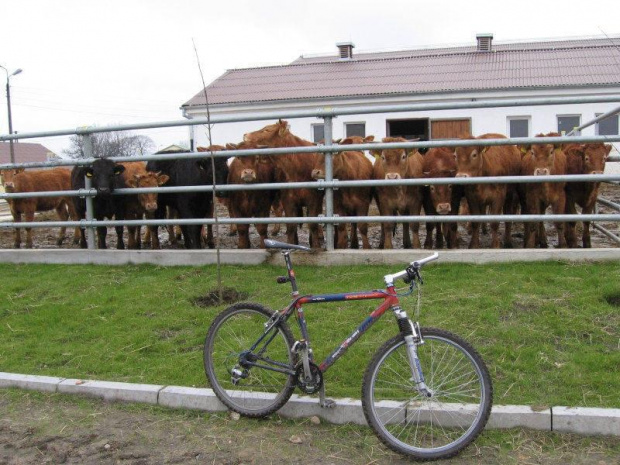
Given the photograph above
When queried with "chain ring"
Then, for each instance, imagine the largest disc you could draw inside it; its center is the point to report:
(317, 379)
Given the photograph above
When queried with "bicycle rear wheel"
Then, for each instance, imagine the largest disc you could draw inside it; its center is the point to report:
(230, 366)
(426, 428)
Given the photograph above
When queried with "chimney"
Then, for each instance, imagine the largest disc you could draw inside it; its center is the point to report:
(484, 42)
(346, 50)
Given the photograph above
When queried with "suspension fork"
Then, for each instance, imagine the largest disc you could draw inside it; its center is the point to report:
(413, 338)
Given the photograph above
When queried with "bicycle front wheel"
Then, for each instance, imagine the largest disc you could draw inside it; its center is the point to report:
(248, 366)
(435, 427)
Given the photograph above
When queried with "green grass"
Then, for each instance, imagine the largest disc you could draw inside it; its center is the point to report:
(550, 332)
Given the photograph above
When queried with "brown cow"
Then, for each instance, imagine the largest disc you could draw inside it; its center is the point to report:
(352, 201)
(441, 199)
(583, 159)
(395, 164)
(480, 161)
(134, 207)
(252, 169)
(20, 181)
(543, 160)
(291, 168)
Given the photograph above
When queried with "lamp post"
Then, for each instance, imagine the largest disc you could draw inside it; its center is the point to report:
(8, 104)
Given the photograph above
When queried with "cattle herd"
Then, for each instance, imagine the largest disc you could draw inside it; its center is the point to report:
(541, 159)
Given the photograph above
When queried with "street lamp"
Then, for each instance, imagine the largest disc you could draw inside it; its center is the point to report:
(8, 105)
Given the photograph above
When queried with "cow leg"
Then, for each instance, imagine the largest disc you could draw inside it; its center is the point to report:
(17, 218)
(474, 241)
(63, 215)
(243, 232)
(120, 242)
(355, 242)
(510, 208)
(131, 238)
(585, 237)
(29, 218)
(83, 243)
(102, 232)
(439, 235)
(451, 231)
(569, 232)
(558, 209)
(341, 236)
(154, 237)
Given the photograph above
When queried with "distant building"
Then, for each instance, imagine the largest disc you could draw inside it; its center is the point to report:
(25, 152)
(482, 71)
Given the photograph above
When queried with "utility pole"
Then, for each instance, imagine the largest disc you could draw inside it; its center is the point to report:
(8, 104)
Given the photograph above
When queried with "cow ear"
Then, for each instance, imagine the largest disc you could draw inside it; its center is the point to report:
(162, 179)
(524, 149)
(376, 153)
(19, 170)
(608, 147)
(368, 139)
(283, 129)
(230, 146)
(118, 169)
(345, 141)
(133, 182)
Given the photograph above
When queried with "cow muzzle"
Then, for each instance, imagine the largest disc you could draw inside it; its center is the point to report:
(392, 176)
(150, 207)
(318, 174)
(9, 185)
(443, 208)
(463, 175)
(541, 172)
(248, 175)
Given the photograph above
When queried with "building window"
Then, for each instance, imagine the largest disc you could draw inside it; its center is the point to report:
(355, 129)
(318, 133)
(519, 126)
(607, 126)
(566, 123)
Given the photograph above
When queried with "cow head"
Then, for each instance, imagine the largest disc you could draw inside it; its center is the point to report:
(148, 201)
(268, 135)
(440, 163)
(393, 161)
(539, 159)
(220, 164)
(104, 175)
(318, 172)
(594, 158)
(246, 169)
(8, 178)
(469, 159)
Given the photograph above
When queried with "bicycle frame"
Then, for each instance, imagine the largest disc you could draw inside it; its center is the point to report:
(390, 301)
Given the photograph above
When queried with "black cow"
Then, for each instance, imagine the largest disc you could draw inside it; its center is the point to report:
(105, 177)
(189, 172)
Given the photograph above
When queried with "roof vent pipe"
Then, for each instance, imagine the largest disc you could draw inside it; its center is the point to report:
(346, 50)
(484, 42)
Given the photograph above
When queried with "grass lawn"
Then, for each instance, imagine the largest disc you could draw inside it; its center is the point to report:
(549, 332)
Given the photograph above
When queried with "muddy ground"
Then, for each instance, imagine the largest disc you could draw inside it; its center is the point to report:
(53, 429)
(44, 238)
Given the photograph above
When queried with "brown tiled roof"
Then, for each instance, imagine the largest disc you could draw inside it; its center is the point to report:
(566, 63)
(24, 152)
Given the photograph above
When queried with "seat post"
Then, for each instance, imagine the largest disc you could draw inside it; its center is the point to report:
(291, 273)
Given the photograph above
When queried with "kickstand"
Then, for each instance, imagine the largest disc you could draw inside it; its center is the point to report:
(323, 402)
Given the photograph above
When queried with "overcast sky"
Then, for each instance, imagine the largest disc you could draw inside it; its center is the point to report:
(131, 61)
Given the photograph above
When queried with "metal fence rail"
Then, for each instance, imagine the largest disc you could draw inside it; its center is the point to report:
(329, 184)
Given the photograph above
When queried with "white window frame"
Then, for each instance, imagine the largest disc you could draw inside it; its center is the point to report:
(617, 127)
(527, 118)
(568, 115)
(344, 132)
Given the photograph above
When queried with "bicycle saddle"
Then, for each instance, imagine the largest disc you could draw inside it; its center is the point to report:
(271, 244)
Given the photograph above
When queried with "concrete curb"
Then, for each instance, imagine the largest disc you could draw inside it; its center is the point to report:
(319, 258)
(578, 420)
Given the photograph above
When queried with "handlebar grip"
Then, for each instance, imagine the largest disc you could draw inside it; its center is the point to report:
(424, 261)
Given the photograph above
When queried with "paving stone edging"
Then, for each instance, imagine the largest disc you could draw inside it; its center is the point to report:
(579, 420)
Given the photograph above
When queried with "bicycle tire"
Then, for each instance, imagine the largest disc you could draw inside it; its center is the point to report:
(428, 428)
(261, 391)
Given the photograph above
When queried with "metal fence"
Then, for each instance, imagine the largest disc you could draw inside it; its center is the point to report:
(329, 184)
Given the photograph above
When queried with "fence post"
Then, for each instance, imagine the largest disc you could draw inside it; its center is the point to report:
(88, 153)
(329, 191)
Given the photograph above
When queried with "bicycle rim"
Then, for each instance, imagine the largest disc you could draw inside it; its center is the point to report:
(258, 392)
(428, 428)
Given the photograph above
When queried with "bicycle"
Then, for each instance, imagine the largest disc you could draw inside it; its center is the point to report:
(426, 393)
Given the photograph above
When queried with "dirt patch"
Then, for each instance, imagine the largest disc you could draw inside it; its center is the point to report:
(54, 429)
(213, 299)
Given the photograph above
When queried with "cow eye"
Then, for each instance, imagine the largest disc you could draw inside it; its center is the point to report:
(383, 157)
(450, 187)
(432, 188)
(404, 157)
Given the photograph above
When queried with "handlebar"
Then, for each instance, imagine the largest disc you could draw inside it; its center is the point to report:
(390, 278)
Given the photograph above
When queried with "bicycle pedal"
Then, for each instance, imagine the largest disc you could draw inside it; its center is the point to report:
(327, 403)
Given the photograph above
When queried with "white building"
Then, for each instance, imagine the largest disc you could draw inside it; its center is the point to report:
(486, 71)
